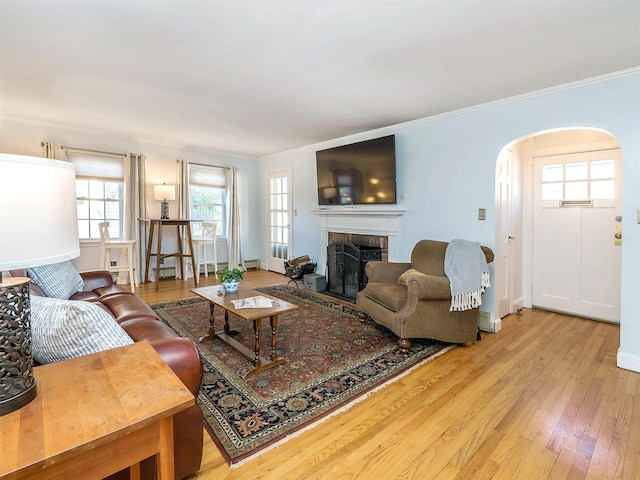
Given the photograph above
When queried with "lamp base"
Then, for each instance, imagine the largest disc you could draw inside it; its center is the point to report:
(16, 403)
(164, 210)
(17, 383)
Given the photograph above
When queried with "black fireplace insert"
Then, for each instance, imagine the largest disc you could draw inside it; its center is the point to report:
(345, 266)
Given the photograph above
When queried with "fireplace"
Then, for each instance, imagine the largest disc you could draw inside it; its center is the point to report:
(374, 227)
(346, 267)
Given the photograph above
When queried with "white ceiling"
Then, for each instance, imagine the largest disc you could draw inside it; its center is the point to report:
(260, 77)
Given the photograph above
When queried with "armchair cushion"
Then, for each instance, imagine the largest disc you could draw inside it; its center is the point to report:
(390, 295)
(59, 280)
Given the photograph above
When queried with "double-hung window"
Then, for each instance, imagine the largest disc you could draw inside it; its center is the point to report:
(99, 193)
(207, 197)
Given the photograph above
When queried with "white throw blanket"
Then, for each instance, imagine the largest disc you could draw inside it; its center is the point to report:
(465, 265)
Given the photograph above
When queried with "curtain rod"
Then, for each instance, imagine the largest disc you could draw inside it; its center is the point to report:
(205, 165)
(88, 150)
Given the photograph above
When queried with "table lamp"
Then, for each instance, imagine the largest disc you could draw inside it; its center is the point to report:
(164, 192)
(38, 226)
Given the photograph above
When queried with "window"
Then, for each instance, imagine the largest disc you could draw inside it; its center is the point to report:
(99, 193)
(207, 194)
(579, 180)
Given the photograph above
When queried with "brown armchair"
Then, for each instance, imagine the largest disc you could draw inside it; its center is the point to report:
(419, 309)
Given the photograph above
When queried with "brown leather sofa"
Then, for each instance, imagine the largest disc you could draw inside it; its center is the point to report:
(181, 355)
(419, 306)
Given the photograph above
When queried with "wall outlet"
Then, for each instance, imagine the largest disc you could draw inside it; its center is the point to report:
(114, 263)
(482, 214)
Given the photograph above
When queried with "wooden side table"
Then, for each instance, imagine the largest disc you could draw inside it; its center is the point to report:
(182, 226)
(94, 416)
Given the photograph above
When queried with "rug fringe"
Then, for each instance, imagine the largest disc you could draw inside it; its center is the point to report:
(340, 410)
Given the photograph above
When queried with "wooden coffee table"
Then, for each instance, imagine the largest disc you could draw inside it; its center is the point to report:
(255, 315)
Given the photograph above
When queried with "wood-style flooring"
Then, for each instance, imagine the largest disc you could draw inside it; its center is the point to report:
(541, 399)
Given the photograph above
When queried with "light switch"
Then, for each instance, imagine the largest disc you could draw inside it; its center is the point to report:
(482, 214)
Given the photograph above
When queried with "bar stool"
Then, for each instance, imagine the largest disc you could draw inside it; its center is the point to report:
(126, 263)
(209, 233)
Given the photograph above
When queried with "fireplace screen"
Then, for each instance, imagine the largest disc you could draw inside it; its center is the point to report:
(346, 263)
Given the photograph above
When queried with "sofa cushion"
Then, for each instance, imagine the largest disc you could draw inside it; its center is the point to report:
(63, 329)
(59, 280)
(390, 295)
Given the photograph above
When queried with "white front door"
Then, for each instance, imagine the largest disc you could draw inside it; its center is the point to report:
(279, 215)
(576, 255)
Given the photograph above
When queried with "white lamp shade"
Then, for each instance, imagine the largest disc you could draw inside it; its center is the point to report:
(38, 212)
(164, 192)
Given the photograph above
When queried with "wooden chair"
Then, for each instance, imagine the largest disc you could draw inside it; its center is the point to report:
(128, 255)
(209, 236)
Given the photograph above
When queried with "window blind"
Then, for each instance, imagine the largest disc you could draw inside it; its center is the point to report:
(106, 168)
(207, 176)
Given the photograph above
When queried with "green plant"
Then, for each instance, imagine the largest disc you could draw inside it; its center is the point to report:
(226, 275)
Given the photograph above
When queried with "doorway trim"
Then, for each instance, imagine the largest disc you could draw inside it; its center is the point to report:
(522, 204)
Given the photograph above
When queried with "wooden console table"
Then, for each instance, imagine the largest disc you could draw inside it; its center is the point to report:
(94, 416)
(182, 226)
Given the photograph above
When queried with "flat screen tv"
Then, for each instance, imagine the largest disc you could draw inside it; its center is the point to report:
(362, 173)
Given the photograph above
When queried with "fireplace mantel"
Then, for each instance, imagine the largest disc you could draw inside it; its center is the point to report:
(361, 220)
(366, 212)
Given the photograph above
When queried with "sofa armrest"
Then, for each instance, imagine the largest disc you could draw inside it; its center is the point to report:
(428, 287)
(182, 356)
(385, 272)
(96, 279)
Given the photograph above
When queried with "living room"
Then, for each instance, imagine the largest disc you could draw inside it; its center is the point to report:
(446, 165)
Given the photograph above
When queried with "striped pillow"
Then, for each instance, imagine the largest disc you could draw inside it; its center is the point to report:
(63, 329)
(59, 280)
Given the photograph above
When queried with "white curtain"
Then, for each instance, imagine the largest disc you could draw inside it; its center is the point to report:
(135, 208)
(184, 206)
(184, 211)
(234, 250)
(52, 150)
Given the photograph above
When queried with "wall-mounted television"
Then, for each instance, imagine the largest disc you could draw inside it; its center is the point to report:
(362, 173)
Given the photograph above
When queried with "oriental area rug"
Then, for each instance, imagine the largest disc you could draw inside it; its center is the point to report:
(333, 360)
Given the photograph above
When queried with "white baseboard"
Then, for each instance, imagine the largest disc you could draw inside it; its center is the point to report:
(497, 325)
(628, 361)
(518, 304)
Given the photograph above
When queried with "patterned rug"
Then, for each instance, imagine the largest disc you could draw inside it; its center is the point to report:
(332, 360)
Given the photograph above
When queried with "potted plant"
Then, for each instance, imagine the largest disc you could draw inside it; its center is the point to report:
(230, 278)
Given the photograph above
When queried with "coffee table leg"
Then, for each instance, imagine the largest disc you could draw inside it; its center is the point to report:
(212, 331)
(274, 325)
(257, 324)
(227, 329)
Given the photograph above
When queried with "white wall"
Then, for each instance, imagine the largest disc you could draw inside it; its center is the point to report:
(446, 171)
(23, 137)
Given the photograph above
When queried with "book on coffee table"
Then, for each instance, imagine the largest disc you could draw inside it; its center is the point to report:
(253, 302)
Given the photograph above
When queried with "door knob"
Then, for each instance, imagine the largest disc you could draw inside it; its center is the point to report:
(618, 236)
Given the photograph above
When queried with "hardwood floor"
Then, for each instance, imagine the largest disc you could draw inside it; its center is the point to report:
(541, 399)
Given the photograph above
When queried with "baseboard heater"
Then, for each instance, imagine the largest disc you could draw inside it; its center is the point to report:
(252, 264)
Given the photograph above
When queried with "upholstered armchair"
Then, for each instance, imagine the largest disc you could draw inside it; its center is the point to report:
(418, 306)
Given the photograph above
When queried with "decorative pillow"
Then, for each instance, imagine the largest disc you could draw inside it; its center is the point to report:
(63, 329)
(404, 278)
(59, 280)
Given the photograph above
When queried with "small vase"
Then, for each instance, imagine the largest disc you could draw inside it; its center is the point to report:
(231, 287)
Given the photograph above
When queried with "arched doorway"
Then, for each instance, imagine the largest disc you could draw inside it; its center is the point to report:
(558, 206)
